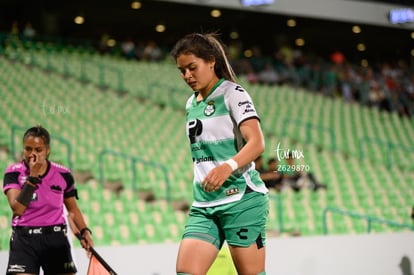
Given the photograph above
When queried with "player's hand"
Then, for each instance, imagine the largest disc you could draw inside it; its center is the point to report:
(216, 177)
(35, 164)
(86, 241)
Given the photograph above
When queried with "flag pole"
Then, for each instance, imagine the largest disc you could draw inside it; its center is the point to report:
(78, 235)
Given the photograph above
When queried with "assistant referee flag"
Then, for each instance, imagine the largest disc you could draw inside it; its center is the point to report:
(96, 268)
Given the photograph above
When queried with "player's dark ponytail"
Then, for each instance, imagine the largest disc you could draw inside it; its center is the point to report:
(206, 47)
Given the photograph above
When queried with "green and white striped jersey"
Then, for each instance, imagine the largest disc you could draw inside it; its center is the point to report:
(214, 135)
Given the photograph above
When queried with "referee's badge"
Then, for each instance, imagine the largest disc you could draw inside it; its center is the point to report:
(210, 108)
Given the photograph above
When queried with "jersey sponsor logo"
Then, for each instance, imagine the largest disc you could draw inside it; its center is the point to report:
(198, 148)
(195, 128)
(247, 110)
(247, 105)
(16, 166)
(239, 88)
(210, 108)
(232, 191)
(34, 197)
(56, 188)
(57, 165)
(241, 234)
(203, 159)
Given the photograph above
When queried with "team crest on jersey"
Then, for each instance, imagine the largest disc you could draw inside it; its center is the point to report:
(232, 191)
(210, 108)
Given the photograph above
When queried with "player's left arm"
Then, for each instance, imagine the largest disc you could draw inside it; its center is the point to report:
(252, 134)
(75, 214)
(255, 144)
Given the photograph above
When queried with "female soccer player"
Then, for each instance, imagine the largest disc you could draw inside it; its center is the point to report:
(37, 190)
(230, 200)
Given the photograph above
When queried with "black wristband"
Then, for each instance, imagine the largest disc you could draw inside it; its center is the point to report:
(26, 195)
(33, 180)
(85, 229)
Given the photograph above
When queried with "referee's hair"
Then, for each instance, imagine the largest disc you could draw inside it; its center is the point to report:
(207, 47)
(38, 131)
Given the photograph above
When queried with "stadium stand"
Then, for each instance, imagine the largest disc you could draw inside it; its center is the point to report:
(123, 121)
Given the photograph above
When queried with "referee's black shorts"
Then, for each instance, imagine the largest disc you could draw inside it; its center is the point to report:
(34, 247)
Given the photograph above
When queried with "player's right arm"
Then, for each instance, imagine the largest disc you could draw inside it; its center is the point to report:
(17, 208)
(18, 197)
